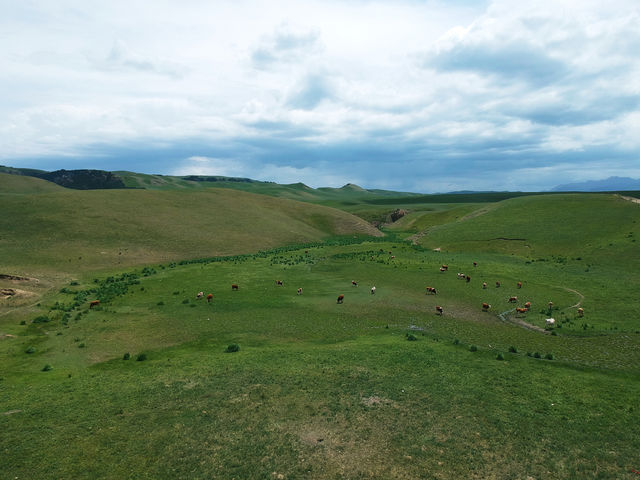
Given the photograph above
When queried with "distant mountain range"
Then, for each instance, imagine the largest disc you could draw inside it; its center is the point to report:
(611, 184)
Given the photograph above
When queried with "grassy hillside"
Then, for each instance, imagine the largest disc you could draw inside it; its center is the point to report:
(16, 184)
(74, 231)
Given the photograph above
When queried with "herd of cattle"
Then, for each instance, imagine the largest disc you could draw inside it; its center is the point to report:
(550, 322)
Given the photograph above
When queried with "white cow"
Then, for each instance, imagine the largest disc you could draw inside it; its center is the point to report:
(550, 322)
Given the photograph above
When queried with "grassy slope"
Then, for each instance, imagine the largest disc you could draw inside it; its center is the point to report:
(73, 231)
(18, 184)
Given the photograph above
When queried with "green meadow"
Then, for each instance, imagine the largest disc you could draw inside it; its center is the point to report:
(262, 382)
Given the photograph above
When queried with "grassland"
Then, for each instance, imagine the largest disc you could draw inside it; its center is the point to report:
(322, 390)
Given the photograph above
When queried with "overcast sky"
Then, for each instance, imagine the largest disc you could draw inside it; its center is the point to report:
(412, 95)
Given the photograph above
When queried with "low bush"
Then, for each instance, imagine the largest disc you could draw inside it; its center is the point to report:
(41, 319)
(549, 356)
(141, 357)
(126, 356)
(411, 337)
(500, 356)
(30, 350)
(456, 342)
(513, 349)
(473, 348)
(233, 347)
(46, 368)
(537, 355)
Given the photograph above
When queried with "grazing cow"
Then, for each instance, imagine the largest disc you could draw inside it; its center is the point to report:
(550, 322)
(373, 290)
(199, 295)
(461, 275)
(484, 285)
(581, 312)
(550, 306)
(513, 299)
(300, 291)
(340, 298)
(522, 310)
(527, 305)
(485, 307)
(234, 286)
(431, 290)
(209, 297)
(467, 278)
(444, 267)
(354, 283)
(392, 257)
(439, 310)
(519, 284)
(497, 284)
(475, 264)
(94, 303)
(279, 282)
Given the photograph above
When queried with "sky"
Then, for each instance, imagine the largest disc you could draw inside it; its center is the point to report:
(409, 95)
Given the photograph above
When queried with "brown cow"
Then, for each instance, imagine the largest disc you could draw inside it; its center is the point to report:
(519, 284)
(431, 290)
(340, 298)
(522, 310)
(279, 282)
(300, 291)
(439, 310)
(485, 307)
(513, 299)
(209, 297)
(444, 267)
(527, 305)
(467, 278)
(581, 312)
(234, 286)
(475, 264)
(497, 284)
(94, 303)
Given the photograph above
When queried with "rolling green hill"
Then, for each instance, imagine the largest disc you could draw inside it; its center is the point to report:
(16, 184)
(74, 230)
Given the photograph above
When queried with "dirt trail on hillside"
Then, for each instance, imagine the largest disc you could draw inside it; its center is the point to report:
(507, 318)
(476, 213)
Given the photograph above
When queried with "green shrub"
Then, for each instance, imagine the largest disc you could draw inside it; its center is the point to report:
(41, 319)
(537, 355)
(549, 356)
(126, 356)
(46, 368)
(81, 345)
(456, 342)
(185, 301)
(411, 337)
(141, 357)
(160, 303)
(473, 348)
(513, 349)
(23, 322)
(500, 356)
(30, 350)
(233, 347)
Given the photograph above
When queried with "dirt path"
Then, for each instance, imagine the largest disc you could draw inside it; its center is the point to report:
(507, 318)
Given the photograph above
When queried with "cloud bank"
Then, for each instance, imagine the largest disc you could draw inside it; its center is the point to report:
(416, 96)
